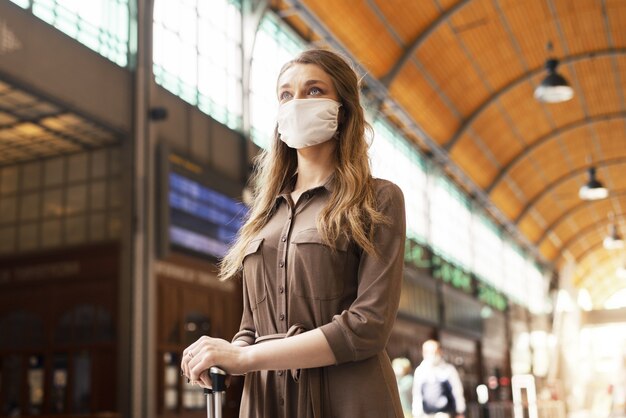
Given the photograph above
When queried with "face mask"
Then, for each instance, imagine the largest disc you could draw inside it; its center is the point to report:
(306, 122)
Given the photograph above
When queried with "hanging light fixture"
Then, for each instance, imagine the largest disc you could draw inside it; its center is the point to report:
(614, 240)
(554, 88)
(621, 272)
(593, 189)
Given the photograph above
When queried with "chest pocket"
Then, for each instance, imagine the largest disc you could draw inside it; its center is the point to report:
(319, 270)
(254, 271)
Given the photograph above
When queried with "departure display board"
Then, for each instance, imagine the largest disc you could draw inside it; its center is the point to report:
(198, 218)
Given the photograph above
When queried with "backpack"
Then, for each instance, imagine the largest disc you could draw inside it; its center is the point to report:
(437, 396)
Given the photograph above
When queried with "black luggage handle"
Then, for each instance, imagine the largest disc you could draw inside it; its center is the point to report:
(215, 396)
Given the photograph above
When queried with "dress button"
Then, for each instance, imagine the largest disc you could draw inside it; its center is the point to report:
(280, 372)
(281, 264)
(281, 401)
(281, 316)
(283, 239)
(306, 195)
(281, 289)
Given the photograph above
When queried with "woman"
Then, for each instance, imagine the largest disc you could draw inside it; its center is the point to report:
(321, 258)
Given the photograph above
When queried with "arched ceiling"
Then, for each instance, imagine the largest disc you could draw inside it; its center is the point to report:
(465, 72)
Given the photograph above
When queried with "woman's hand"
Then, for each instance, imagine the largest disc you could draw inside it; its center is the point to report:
(200, 356)
(302, 351)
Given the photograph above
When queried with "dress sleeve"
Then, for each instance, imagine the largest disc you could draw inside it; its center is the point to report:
(363, 330)
(247, 332)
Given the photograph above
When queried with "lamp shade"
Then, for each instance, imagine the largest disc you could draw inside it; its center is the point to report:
(554, 88)
(593, 189)
(614, 240)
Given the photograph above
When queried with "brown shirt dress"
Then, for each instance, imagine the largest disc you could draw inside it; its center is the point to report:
(293, 282)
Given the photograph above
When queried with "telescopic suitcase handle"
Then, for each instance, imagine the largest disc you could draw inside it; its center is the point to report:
(215, 395)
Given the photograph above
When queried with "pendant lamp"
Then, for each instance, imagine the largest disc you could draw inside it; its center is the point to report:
(593, 189)
(614, 240)
(554, 88)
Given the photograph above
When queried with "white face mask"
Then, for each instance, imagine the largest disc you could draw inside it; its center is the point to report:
(306, 122)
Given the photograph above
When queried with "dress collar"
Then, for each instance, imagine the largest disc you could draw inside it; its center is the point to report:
(329, 185)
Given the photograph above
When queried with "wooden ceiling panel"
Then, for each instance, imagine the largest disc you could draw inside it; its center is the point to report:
(422, 13)
(448, 4)
(616, 15)
(302, 28)
(532, 25)
(620, 62)
(447, 64)
(612, 137)
(495, 132)
(505, 199)
(360, 30)
(581, 218)
(598, 84)
(486, 40)
(552, 205)
(585, 267)
(582, 24)
(529, 179)
(530, 228)
(577, 222)
(529, 117)
(546, 161)
(598, 271)
(549, 250)
(473, 161)
(549, 157)
(579, 246)
(423, 103)
(616, 173)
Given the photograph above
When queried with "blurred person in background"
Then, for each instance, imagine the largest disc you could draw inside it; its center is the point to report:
(404, 376)
(437, 388)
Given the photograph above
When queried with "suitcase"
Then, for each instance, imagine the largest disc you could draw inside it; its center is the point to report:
(215, 396)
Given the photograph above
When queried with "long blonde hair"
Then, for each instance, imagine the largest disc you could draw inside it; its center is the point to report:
(351, 209)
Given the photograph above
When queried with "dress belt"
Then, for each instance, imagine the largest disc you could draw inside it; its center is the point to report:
(309, 381)
(294, 330)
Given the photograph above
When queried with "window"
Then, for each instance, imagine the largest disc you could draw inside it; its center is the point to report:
(275, 44)
(407, 171)
(515, 273)
(102, 25)
(487, 262)
(198, 55)
(82, 354)
(58, 353)
(537, 288)
(61, 201)
(450, 219)
(10, 395)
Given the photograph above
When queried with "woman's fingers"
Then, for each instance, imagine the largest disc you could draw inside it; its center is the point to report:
(188, 354)
(204, 380)
(208, 352)
(200, 356)
(201, 363)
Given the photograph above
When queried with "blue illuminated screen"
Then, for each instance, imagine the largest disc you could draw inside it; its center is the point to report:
(201, 219)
